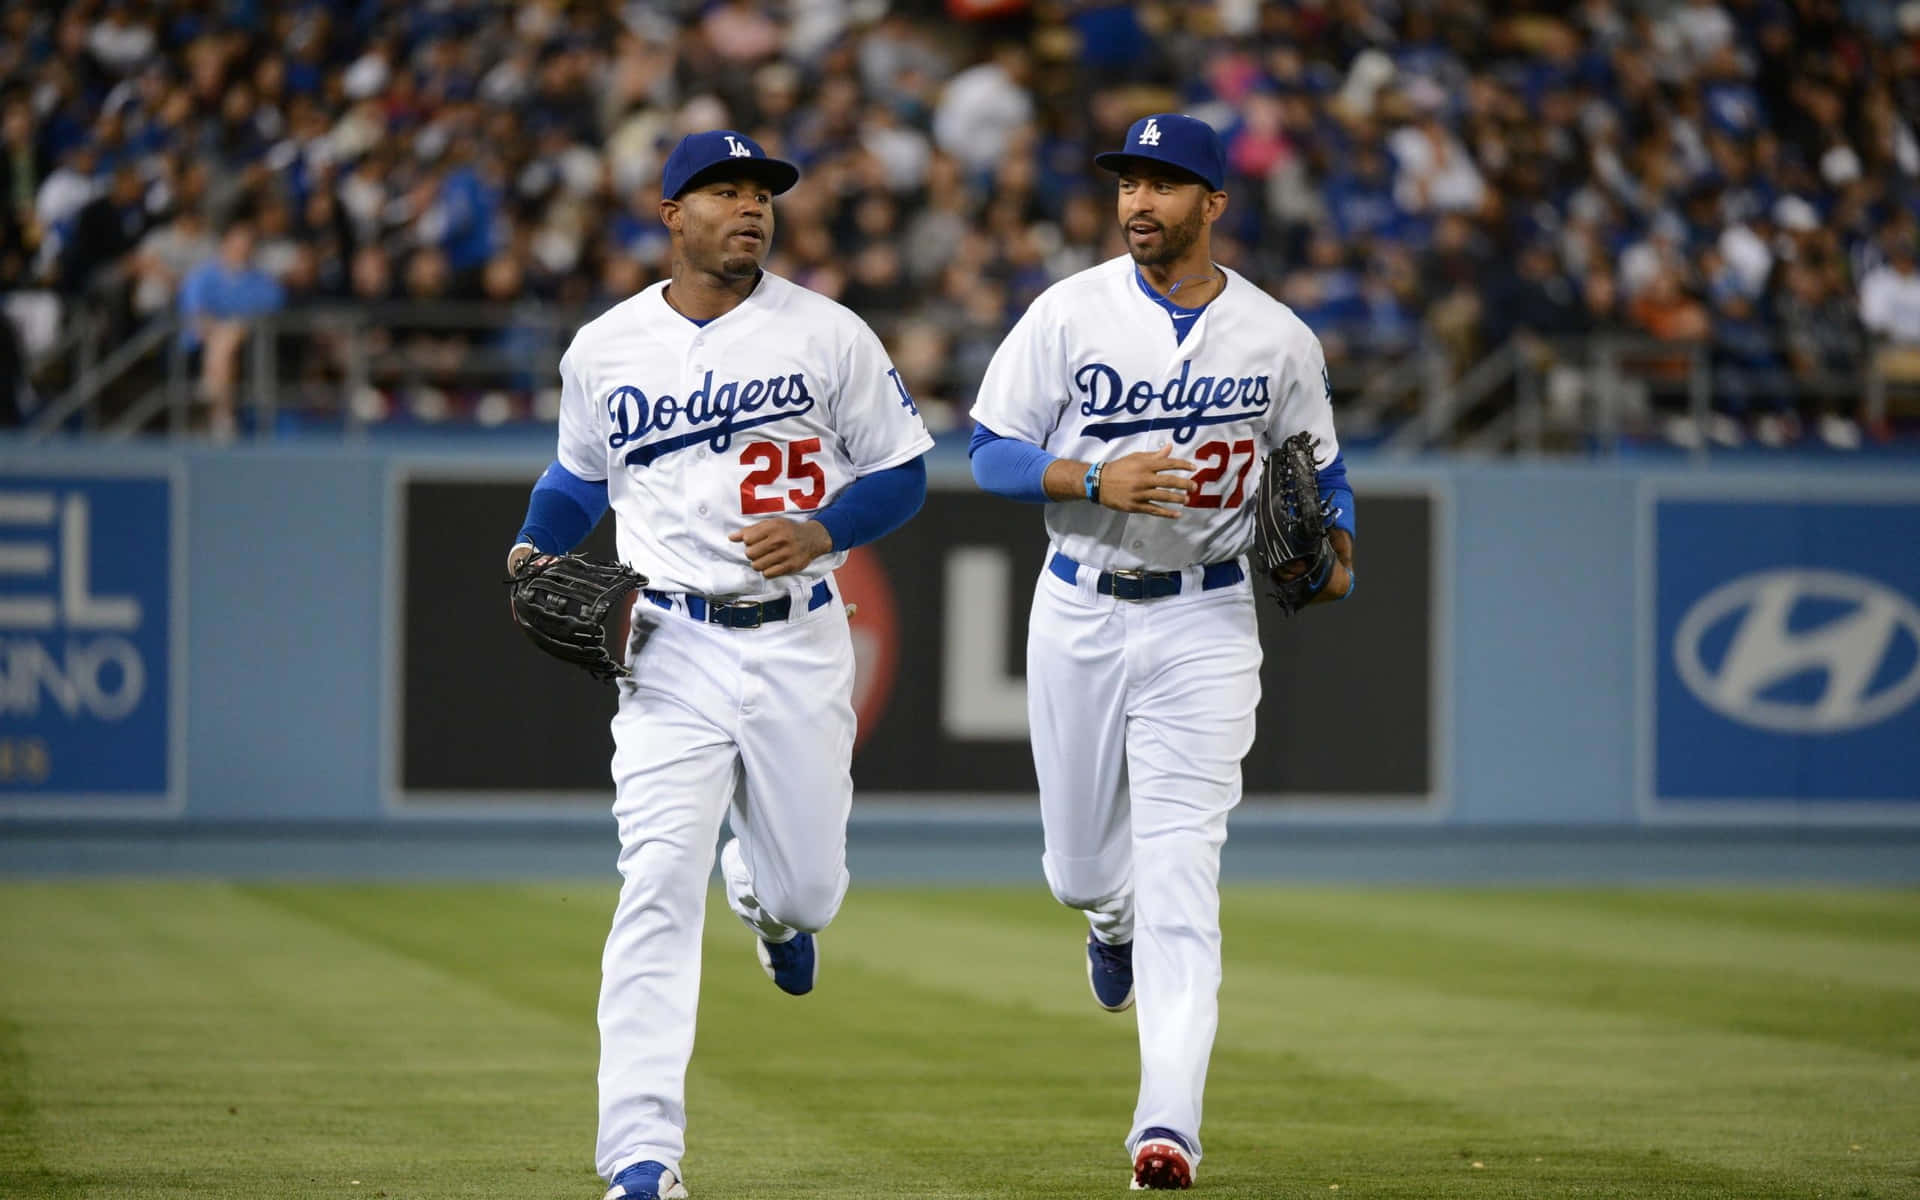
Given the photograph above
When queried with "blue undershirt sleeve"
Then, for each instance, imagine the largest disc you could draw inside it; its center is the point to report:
(562, 510)
(1008, 466)
(1335, 490)
(875, 505)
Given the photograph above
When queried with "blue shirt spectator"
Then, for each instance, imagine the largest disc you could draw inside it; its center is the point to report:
(227, 287)
(471, 203)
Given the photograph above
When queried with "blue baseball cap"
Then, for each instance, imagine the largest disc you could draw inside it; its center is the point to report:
(1177, 141)
(701, 154)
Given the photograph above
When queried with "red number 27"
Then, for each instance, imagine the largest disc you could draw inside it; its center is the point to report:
(1216, 458)
(767, 461)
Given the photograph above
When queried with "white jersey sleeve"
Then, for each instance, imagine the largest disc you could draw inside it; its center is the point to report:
(583, 438)
(1024, 392)
(877, 421)
(1306, 396)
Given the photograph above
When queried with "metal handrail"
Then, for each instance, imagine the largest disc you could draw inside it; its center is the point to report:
(96, 377)
(1448, 407)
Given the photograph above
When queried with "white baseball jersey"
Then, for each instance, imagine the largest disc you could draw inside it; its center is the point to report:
(1141, 711)
(700, 431)
(1093, 372)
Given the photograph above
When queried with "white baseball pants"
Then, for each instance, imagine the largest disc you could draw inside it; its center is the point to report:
(1141, 712)
(759, 719)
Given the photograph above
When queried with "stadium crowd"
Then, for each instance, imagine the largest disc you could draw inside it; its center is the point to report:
(1740, 175)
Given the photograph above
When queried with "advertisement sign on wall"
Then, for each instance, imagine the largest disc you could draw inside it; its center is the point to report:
(89, 625)
(940, 638)
(1785, 655)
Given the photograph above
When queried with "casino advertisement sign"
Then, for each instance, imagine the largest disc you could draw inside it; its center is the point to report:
(90, 626)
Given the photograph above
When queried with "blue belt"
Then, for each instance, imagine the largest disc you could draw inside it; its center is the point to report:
(742, 614)
(1149, 585)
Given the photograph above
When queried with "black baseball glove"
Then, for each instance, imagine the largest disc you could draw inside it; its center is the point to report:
(561, 602)
(1290, 526)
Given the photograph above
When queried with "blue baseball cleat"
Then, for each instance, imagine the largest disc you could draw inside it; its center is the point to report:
(793, 965)
(647, 1180)
(1162, 1161)
(1110, 973)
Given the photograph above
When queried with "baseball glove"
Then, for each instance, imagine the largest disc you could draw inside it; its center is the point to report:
(561, 602)
(1290, 526)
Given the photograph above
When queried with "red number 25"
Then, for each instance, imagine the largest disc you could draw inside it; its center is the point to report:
(767, 461)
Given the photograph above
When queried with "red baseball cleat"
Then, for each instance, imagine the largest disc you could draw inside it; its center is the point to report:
(1162, 1162)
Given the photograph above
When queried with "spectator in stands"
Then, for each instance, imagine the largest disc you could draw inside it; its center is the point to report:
(1890, 311)
(1890, 298)
(165, 256)
(219, 301)
(982, 106)
(1749, 374)
(104, 230)
(1823, 349)
(23, 166)
(1663, 310)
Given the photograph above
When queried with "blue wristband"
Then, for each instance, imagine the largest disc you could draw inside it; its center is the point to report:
(1093, 481)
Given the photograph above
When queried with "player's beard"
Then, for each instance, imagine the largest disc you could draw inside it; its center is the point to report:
(1175, 240)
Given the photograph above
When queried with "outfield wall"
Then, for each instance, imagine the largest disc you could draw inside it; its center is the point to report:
(317, 635)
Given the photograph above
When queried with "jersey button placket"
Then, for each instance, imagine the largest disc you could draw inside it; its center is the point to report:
(694, 509)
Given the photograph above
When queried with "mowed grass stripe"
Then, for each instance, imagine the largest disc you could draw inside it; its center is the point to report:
(1670, 933)
(1044, 1096)
(1885, 915)
(1537, 1063)
(187, 1040)
(22, 1171)
(539, 947)
(1265, 1114)
(1310, 1128)
(1761, 998)
(1357, 934)
(782, 1088)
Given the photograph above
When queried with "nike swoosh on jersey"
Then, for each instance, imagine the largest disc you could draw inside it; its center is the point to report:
(1183, 316)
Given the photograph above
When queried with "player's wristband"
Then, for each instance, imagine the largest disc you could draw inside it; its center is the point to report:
(1325, 573)
(1093, 481)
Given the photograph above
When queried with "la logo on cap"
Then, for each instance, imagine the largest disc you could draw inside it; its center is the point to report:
(735, 149)
(1150, 136)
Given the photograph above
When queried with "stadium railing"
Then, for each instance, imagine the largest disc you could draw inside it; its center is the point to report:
(353, 368)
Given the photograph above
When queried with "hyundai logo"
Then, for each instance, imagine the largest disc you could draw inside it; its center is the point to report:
(1867, 656)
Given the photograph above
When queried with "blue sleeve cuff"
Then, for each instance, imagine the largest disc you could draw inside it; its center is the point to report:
(1340, 500)
(562, 510)
(1008, 466)
(1335, 490)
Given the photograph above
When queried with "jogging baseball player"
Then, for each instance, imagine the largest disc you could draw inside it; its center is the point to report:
(1138, 400)
(747, 433)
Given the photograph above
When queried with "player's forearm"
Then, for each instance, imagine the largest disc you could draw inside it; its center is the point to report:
(562, 510)
(1066, 479)
(1008, 466)
(1340, 582)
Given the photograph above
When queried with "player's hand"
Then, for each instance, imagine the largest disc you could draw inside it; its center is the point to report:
(777, 547)
(518, 556)
(1146, 482)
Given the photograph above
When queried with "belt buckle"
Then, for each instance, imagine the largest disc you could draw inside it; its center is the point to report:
(1134, 575)
(742, 614)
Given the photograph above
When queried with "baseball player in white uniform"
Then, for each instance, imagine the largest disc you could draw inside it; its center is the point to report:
(1137, 400)
(747, 434)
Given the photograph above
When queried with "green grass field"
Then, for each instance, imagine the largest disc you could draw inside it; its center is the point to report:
(214, 1040)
